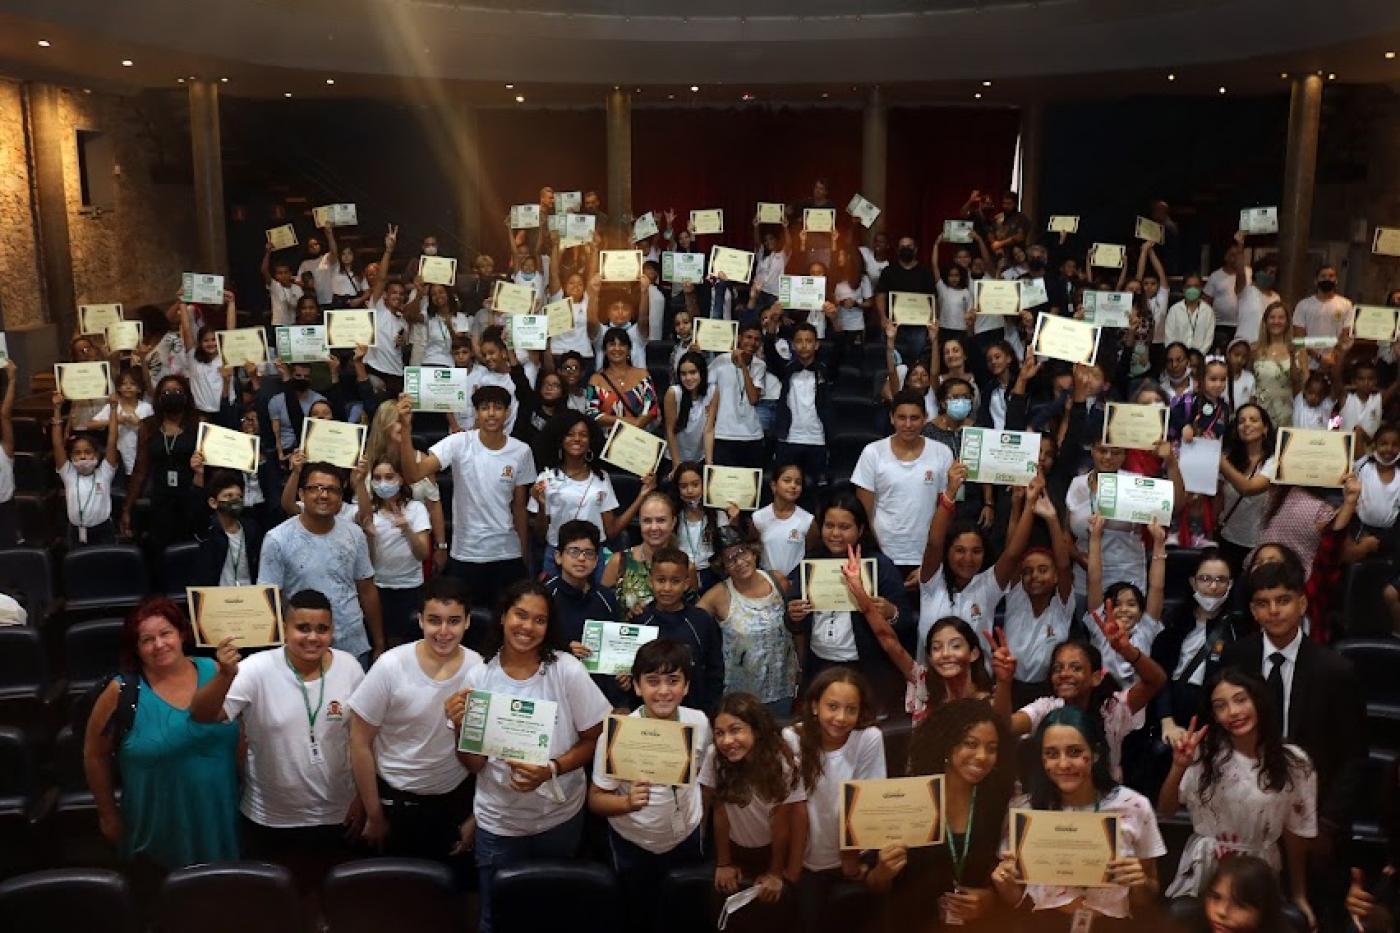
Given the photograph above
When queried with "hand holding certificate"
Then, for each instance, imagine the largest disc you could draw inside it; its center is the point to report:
(302, 343)
(561, 316)
(123, 336)
(1107, 255)
(1134, 427)
(658, 751)
(912, 309)
(438, 270)
(524, 217)
(715, 336)
(348, 328)
(335, 215)
(1063, 338)
(1128, 497)
(242, 345)
(1259, 220)
(83, 382)
(1064, 848)
(201, 288)
(283, 237)
(644, 227)
(497, 725)
(620, 265)
(95, 319)
(802, 292)
(612, 646)
(1063, 223)
(825, 587)
(863, 210)
(232, 450)
(737, 485)
(335, 442)
(1312, 458)
(433, 388)
(770, 212)
(1149, 231)
(1108, 309)
(632, 449)
(736, 265)
(819, 220)
(683, 267)
(904, 811)
(250, 615)
(1004, 458)
(528, 331)
(957, 231)
(512, 298)
(1372, 322)
(704, 223)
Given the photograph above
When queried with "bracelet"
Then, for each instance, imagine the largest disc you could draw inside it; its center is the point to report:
(554, 764)
(946, 504)
(1138, 658)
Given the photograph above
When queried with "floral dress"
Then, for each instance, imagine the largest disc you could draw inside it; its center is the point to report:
(634, 586)
(1273, 390)
(608, 400)
(759, 654)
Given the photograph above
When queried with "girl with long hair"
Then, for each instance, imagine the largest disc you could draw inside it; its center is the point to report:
(685, 410)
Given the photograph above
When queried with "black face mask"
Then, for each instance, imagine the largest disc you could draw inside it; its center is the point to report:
(299, 385)
(907, 254)
(172, 402)
(232, 509)
(1036, 265)
(1326, 285)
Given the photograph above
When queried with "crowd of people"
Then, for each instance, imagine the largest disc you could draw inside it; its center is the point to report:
(1033, 643)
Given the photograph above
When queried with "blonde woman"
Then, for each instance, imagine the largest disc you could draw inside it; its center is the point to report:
(382, 445)
(1279, 371)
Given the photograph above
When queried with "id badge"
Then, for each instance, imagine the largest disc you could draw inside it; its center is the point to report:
(318, 759)
(1083, 921)
(678, 827)
(82, 534)
(950, 918)
(172, 478)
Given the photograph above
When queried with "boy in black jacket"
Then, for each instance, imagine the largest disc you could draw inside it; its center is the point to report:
(229, 548)
(804, 420)
(691, 626)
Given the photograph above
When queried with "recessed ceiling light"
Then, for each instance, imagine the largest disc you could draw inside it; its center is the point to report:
(977, 96)
(43, 43)
(179, 80)
(127, 63)
(1390, 55)
(1331, 76)
(286, 93)
(694, 88)
(1222, 89)
(510, 87)
(1283, 74)
(670, 97)
(330, 80)
(193, 78)
(223, 80)
(746, 96)
(520, 98)
(825, 95)
(1171, 77)
(87, 90)
(986, 84)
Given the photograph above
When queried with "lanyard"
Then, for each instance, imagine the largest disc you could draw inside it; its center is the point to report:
(311, 713)
(92, 491)
(960, 858)
(170, 441)
(233, 565)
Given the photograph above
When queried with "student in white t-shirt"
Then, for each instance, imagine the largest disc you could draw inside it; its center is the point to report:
(282, 289)
(298, 788)
(1360, 409)
(782, 525)
(400, 540)
(580, 338)
(1224, 286)
(87, 476)
(528, 811)
(736, 382)
(208, 375)
(131, 409)
(387, 300)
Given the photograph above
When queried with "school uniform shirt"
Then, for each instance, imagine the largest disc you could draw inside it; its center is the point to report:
(1141, 637)
(434, 336)
(672, 813)
(289, 779)
(7, 476)
(341, 284)
(769, 272)
(1220, 289)
(851, 318)
(873, 267)
(656, 312)
(751, 823)
(1322, 318)
(504, 811)
(690, 437)
(1358, 414)
(906, 493)
(89, 498)
(1033, 638)
(736, 418)
(284, 300)
(1249, 311)
(1380, 501)
(567, 499)
(975, 604)
(1124, 556)
(1317, 417)
(386, 356)
(806, 426)
(415, 750)
(575, 339)
(534, 280)
(1241, 390)
(206, 384)
(395, 567)
(952, 306)
(638, 357)
(862, 758)
(784, 539)
(483, 527)
(128, 435)
(1196, 328)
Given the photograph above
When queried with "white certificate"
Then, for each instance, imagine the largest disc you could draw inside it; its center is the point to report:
(707, 222)
(644, 226)
(498, 725)
(335, 215)
(771, 212)
(1149, 230)
(123, 335)
(242, 345)
(556, 224)
(1063, 338)
(620, 265)
(83, 382)
(996, 296)
(913, 309)
(802, 292)
(524, 216)
(232, 450)
(282, 237)
(201, 288)
(1033, 293)
(957, 231)
(1372, 322)
(630, 448)
(824, 586)
(4, 349)
(438, 270)
(1063, 223)
(1199, 462)
(95, 319)
(1386, 242)
(683, 267)
(819, 219)
(566, 202)
(512, 298)
(1259, 220)
(1312, 458)
(1107, 255)
(302, 343)
(1134, 427)
(1107, 309)
(578, 229)
(1003, 458)
(736, 265)
(739, 485)
(714, 336)
(613, 646)
(561, 316)
(347, 328)
(437, 388)
(863, 210)
(1128, 497)
(338, 443)
(528, 331)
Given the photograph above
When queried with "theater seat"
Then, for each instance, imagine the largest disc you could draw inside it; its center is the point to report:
(1364, 614)
(24, 675)
(28, 570)
(1180, 562)
(177, 569)
(371, 895)
(67, 900)
(38, 518)
(686, 894)
(580, 897)
(897, 731)
(22, 805)
(846, 448)
(90, 652)
(228, 897)
(34, 473)
(104, 577)
(1369, 824)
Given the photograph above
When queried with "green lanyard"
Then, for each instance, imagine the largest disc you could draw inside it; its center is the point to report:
(233, 570)
(81, 502)
(311, 713)
(960, 858)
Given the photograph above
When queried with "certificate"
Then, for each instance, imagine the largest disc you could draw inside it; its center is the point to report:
(644, 227)
(232, 450)
(613, 645)
(1259, 220)
(1003, 458)
(555, 223)
(1107, 255)
(335, 442)
(736, 265)
(825, 588)
(739, 485)
(1134, 427)
(81, 382)
(819, 219)
(1128, 497)
(512, 298)
(302, 343)
(528, 331)
(714, 335)
(957, 231)
(123, 335)
(1311, 457)
(524, 216)
(996, 296)
(561, 316)
(4, 349)
(1064, 848)
(201, 288)
(802, 292)
(568, 201)
(242, 345)
(282, 237)
(438, 270)
(1386, 241)
(914, 309)
(905, 811)
(683, 267)
(1372, 322)
(1064, 338)
(437, 388)
(707, 221)
(1199, 462)
(94, 319)
(632, 449)
(863, 210)
(1033, 293)
(578, 229)
(620, 265)
(335, 215)
(771, 212)
(1108, 309)
(498, 725)
(1063, 223)
(347, 328)
(251, 615)
(658, 751)
(1149, 230)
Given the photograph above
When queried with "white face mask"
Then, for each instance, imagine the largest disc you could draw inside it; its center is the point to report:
(1386, 461)
(430, 251)
(85, 466)
(1211, 603)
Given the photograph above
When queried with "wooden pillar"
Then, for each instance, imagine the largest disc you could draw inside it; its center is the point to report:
(874, 148)
(206, 150)
(51, 200)
(1299, 179)
(619, 156)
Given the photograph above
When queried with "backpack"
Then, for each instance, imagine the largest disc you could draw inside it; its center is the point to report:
(123, 717)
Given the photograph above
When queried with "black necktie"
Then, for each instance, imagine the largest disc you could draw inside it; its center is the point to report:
(1275, 683)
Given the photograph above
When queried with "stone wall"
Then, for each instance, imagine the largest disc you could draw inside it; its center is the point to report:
(21, 291)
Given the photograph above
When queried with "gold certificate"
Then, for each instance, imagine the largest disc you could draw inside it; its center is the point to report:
(736, 265)
(1372, 322)
(251, 615)
(819, 219)
(335, 442)
(1312, 458)
(620, 265)
(1063, 223)
(347, 328)
(1064, 848)
(1064, 338)
(905, 811)
(1148, 230)
(707, 221)
(1135, 427)
(632, 449)
(1107, 255)
(1386, 242)
(231, 450)
(242, 345)
(561, 316)
(123, 335)
(282, 237)
(739, 485)
(95, 319)
(714, 335)
(438, 270)
(770, 212)
(658, 751)
(510, 298)
(80, 382)
(913, 309)
(997, 296)
(825, 588)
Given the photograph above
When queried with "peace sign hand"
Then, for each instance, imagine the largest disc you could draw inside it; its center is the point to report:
(850, 572)
(1003, 661)
(1112, 632)
(1186, 744)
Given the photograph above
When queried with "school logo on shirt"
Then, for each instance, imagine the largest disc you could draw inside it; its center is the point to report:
(334, 711)
(794, 535)
(508, 472)
(928, 477)
(599, 497)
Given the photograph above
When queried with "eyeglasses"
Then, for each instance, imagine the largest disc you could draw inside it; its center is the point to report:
(734, 557)
(569, 367)
(580, 553)
(1209, 580)
(317, 489)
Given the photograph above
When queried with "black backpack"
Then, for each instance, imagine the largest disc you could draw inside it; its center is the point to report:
(123, 717)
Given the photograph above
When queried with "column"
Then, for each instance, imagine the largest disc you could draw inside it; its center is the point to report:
(874, 145)
(207, 154)
(1299, 176)
(1032, 145)
(619, 155)
(51, 201)
(468, 190)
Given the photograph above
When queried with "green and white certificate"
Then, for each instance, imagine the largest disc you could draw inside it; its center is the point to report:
(302, 343)
(436, 388)
(1003, 458)
(614, 645)
(1108, 309)
(1128, 497)
(802, 292)
(498, 725)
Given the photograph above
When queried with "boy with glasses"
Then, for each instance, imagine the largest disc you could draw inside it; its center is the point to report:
(578, 598)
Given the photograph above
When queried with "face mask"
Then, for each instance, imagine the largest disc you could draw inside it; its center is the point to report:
(906, 254)
(691, 503)
(1036, 265)
(430, 251)
(959, 408)
(1326, 285)
(1211, 603)
(172, 402)
(1192, 293)
(1386, 461)
(1264, 280)
(527, 276)
(232, 507)
(85, 466)
(299, 385)
(385, 489)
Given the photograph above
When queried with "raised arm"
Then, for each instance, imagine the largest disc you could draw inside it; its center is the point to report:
(7, 409)
(208, 702)
(942, 520)
(381, 280)
(1093, 588)
(60, 454)
(1157, 571)
(1008, 565)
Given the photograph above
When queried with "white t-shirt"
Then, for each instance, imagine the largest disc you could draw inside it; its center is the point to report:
(862, 758)
(1158, 305)
(1220, 289)
(784, 539)
(1033, 638)
(906, 493)
(284, 301)
(386, 355)
(477, 377)
(672, 813)
(436, 336)
(1323, 318)
(235, 571)
(7, 476)
(952, 305)
(483, 526)
(128, 435)
(751, 825)
(395, 567)
(769, 272)
(1314, 417)
(833, 636)
(1249, 312)
(577, 338)
(1364, 415)
(975, 604)
(1141, 637)
(1243, 388)
(536, 281)
(1380, 501)
(283, 784)
(690, 437)
(1124, 557)
(206, 383)
(89, 498)
(736, 419)
(806, 427)
(873, 266)
(567, 499)
(499, 808)
(415, 750)
(852, 318)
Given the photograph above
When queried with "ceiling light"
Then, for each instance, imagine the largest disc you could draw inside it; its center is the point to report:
(1389, 55)
(1283, 74)
(223, 80)
(746, 96)
(986, 84)
(520, 98)
(510, 87)
(1171, 77)
(1331, 76)
(87, 90)
(179, 80)
(695, 89)
(977, 96)
(286, 93)
(825, 95)
(43, 43)
(193, 78)
(1222, 89)
(127, 63)
(330, 80)
(670, 97)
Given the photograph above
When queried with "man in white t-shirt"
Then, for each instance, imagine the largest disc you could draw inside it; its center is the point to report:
(1223, 288)
(282, 289)
(876, 256)
(771, 258)
(391, 319)
(1324, 313)
(737, 381)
